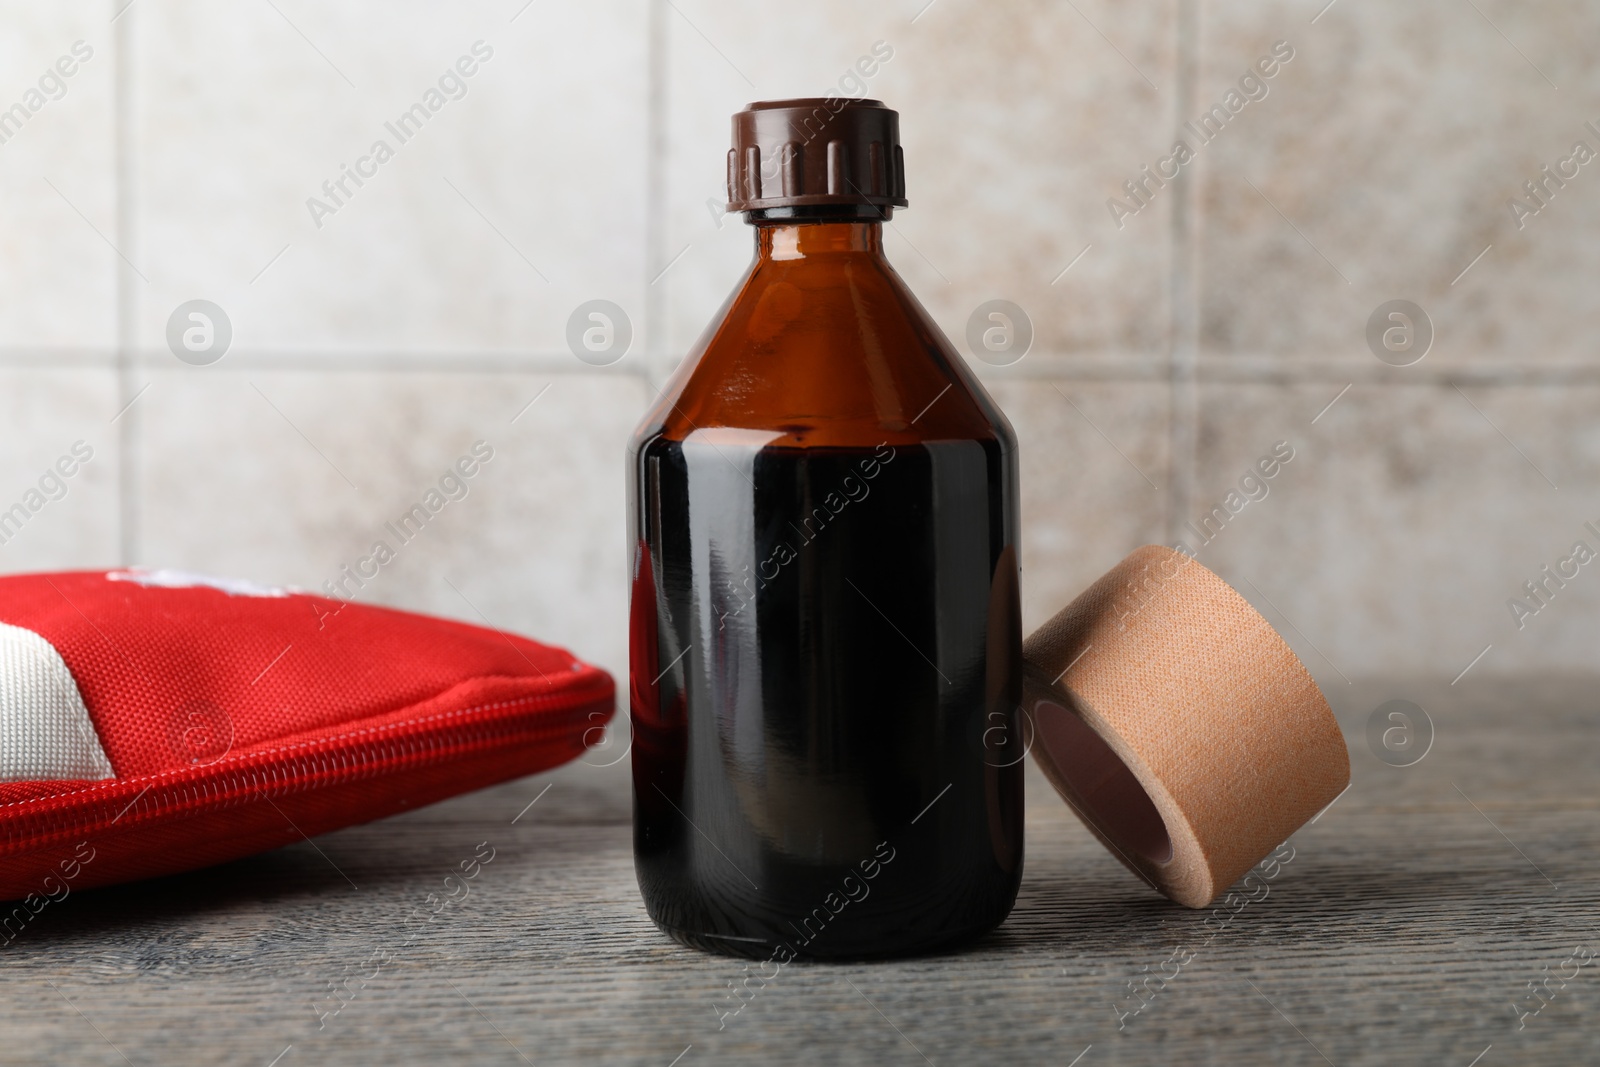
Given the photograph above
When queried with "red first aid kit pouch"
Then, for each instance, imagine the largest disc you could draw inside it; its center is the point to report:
(155, 722)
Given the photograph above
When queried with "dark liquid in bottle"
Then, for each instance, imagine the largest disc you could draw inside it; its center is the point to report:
(828, 758)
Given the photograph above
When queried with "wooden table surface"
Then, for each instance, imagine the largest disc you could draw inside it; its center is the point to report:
(1408, 927)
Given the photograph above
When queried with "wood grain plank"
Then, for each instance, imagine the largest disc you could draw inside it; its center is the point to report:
(1403, 930)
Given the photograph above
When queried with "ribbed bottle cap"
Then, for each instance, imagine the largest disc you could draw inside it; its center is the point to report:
(816, 152)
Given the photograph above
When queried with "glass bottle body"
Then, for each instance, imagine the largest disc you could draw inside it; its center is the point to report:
(825, 632)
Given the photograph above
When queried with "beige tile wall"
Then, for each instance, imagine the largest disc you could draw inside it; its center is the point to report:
(584, 161)
(57, 178)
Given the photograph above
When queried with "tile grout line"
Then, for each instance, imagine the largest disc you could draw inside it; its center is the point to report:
(1085, 366)
(127, 303)
(1183, 396)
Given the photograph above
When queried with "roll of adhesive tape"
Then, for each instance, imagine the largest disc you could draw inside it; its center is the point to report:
(1178, 724)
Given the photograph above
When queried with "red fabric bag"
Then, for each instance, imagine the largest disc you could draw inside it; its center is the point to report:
(156, 722)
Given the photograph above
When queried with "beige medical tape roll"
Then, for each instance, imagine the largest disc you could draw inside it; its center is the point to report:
(1179, 725)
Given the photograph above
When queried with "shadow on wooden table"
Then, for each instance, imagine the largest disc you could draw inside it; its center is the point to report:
(249, 891)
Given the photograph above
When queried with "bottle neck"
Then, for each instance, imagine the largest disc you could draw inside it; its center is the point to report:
(802, 240)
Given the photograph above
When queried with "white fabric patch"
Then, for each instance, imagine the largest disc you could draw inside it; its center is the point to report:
(45, 730)
(171, 579)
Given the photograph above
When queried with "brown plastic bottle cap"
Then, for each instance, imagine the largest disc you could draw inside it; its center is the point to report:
(815, 153)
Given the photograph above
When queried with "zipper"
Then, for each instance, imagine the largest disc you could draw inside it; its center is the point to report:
(313, 764)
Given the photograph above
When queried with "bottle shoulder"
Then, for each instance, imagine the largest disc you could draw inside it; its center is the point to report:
(831, 350)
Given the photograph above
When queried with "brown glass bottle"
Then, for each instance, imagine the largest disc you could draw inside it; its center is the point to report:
(825, 633)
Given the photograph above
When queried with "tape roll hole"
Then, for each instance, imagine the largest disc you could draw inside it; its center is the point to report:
(1104, 787)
